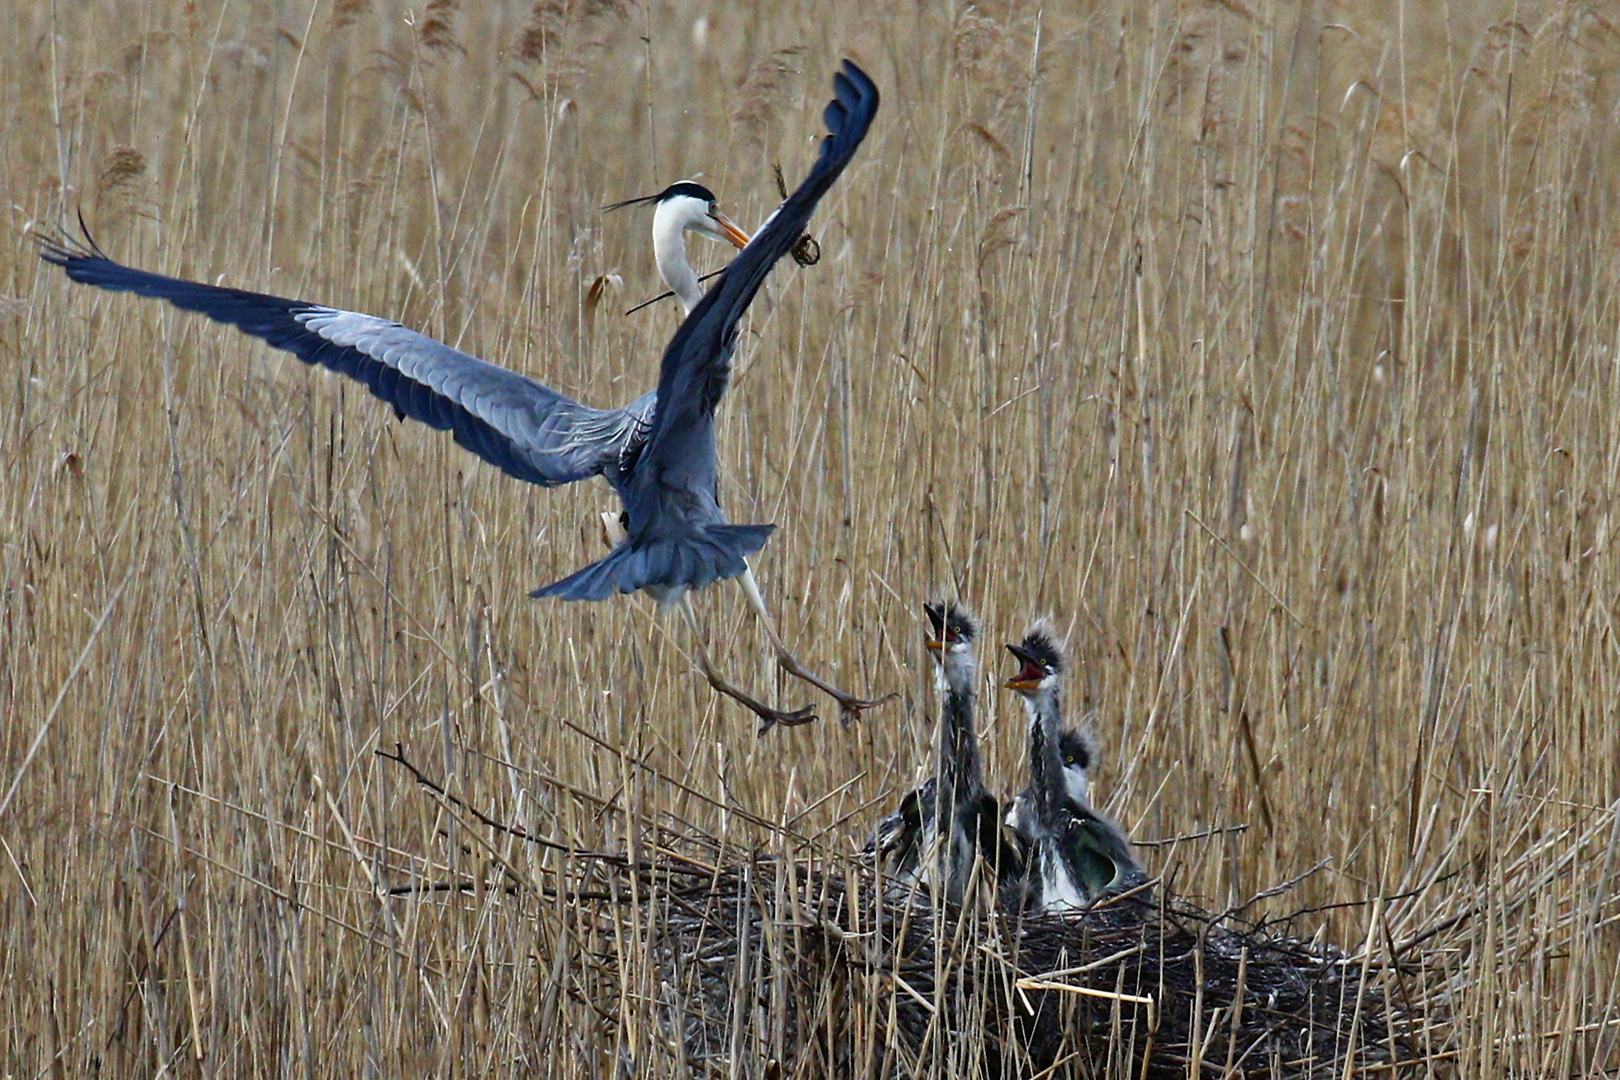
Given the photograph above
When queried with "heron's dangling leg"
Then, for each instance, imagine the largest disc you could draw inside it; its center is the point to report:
(850, 705)
(768, 716)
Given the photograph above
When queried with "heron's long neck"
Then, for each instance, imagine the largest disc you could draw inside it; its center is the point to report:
(960, 773)
(669, 249)
(1045, 760)
(1078, 785)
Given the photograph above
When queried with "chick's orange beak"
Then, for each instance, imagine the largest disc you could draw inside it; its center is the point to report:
(935, 646)
(1028, 679)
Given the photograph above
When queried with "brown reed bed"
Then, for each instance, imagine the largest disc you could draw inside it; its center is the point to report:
(1270, 348)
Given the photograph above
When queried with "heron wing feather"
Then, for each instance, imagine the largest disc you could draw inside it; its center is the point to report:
(511, 421)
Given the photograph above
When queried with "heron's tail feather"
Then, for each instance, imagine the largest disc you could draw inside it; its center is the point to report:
(711, 554)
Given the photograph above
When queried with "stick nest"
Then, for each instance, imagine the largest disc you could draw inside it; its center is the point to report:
(796, 968)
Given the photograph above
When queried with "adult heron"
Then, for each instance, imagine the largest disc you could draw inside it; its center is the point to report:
(660, 460)
(1078, 853)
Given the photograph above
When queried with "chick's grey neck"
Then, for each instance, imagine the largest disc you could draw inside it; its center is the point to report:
(960, 775)
(959, 766)
(1045, 759)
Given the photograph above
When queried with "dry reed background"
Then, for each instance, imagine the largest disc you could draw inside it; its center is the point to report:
(1273, 350)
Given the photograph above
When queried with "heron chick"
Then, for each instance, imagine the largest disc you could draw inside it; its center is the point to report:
(1078, 852)
(942, 828)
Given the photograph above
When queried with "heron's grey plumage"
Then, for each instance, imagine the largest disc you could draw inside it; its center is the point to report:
(677, 536)
(522, 427)
(554, 439)
(657, 451)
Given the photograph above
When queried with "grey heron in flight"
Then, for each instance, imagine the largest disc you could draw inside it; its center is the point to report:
(910, 841)
(1077, 853)
(659, 459)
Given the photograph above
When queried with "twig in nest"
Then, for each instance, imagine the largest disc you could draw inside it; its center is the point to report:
(1219, 830)
(446, 886)
(675, 863)
(437, 791)
(1266, 894)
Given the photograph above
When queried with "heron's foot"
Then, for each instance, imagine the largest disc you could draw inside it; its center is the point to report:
(769, 718)
(850, 707)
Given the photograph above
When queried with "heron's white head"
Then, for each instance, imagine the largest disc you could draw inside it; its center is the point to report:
(688, 206)
(693, 208)
(950, 640)
(684, 207)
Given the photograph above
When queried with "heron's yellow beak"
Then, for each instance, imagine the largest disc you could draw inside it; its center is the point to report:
(935, 646)
(728, 229)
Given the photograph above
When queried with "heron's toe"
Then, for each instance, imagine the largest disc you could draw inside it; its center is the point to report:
(852, 706)
(773, 717)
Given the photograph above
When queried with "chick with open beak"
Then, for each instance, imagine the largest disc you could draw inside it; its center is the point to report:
(951, 643)
(1079, 853)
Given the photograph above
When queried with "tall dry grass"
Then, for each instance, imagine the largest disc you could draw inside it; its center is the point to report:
(1274, 352)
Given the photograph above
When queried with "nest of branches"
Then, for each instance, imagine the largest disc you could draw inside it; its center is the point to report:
(708, 962)
(816, 970)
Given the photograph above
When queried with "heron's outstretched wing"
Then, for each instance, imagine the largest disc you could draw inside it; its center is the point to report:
(697, 364)
(509, 420)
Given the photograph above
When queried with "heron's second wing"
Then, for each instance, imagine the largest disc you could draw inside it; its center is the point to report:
(1097, 839)
(697, 363)
(902, 837)
(509, 420)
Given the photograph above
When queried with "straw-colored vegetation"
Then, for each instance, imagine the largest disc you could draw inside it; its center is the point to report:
(1275, 356)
